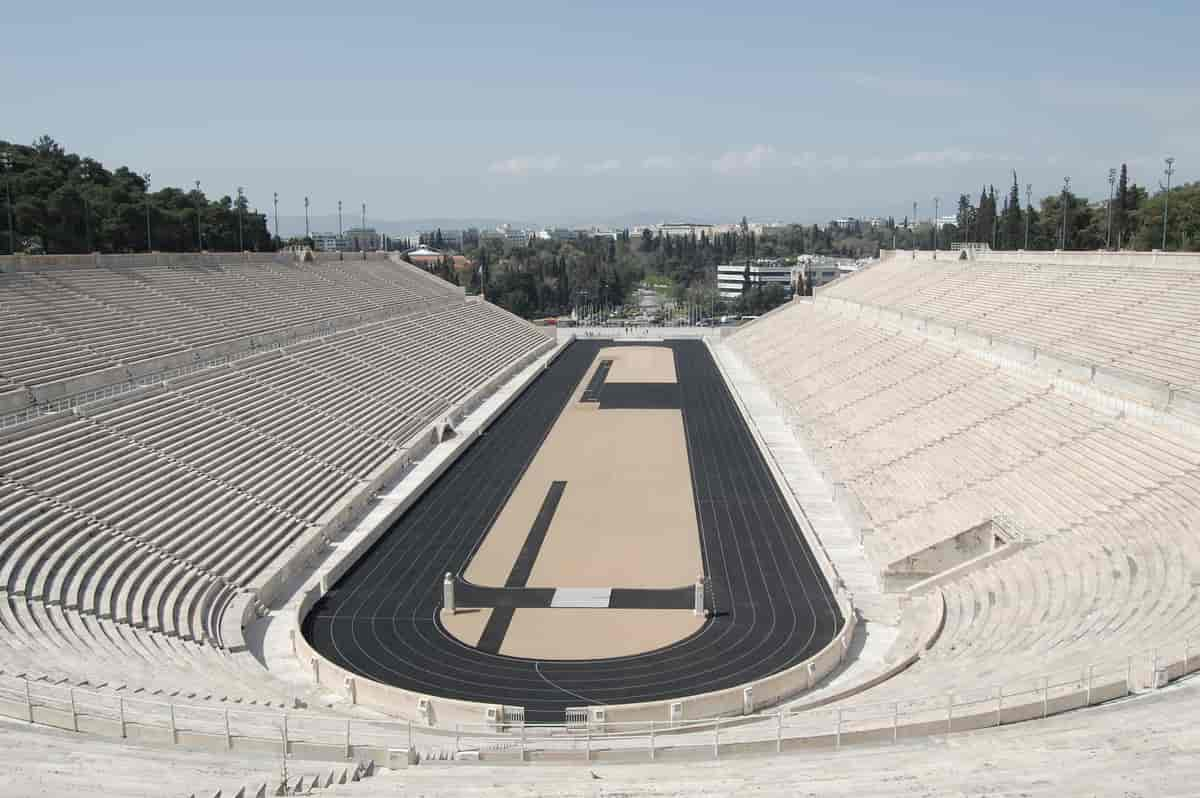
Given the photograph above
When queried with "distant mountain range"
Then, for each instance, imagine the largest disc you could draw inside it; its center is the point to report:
(326, 223)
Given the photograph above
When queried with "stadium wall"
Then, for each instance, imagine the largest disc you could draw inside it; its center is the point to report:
(1123, 259)
(99, 260)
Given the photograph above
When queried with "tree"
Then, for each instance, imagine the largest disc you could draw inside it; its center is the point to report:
(66, 203)
(985, 216)
(966, 214)
(1013, 227)
(1121, 209)
(746, 279)
(1183, 223)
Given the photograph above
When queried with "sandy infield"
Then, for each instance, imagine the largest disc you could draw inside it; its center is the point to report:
(554, 633)
(640, 364)
(626, 519)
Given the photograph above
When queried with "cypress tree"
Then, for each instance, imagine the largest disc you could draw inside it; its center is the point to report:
(1121, 208)
(1012, 216)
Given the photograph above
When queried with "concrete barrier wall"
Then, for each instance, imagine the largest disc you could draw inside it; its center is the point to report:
(314, 736)
(1121, 260)
(38, 263)
(765, 692)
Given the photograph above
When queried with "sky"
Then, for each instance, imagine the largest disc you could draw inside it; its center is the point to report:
(558, 112)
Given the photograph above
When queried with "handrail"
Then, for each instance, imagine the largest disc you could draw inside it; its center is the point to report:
(112, 714)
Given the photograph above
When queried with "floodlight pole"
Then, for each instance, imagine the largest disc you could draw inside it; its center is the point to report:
(936, 209)
(1112, 180)
(240, 198)
(1065, 195)
(1028, 211)
(339, 219)
(364, 226)
(199, 232)
(149, 241)
(1170, 170)
(87, 212)
(7, 163)
(276, 200)
(914, 230)
(306, 233)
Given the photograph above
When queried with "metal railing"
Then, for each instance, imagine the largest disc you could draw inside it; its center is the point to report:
(114, 714)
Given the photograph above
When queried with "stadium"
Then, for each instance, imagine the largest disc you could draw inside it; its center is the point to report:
(320, 523)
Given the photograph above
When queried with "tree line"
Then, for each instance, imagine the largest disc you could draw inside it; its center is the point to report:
(66, 203)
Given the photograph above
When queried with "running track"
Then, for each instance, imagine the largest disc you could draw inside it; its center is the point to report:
(772, 607)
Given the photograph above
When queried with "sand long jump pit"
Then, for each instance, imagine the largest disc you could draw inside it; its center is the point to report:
(578, 563)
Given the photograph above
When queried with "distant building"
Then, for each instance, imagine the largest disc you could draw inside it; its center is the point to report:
(557, 234)
(819, 273)
(685, 229)
(731, 277)
(363, 239)
(515, 235)
(328, 242)
(451, 239)
(424, 256)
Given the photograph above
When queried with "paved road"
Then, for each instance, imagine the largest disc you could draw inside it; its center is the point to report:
(772, 607)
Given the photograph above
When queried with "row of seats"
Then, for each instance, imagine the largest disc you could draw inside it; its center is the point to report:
(1116, 586)
(1139, 320)
(934, 439)
(130, 526)
(66, 323)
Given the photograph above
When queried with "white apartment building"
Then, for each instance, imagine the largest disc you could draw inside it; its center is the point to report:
(731, 277)
(818, 270)
(557, 234)
(675, 229)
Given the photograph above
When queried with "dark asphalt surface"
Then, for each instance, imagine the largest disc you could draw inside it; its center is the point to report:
(772, 607)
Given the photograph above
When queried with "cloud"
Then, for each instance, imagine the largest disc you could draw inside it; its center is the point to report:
(954, 157)
(609, 165)
(812, 161)
(950, 156)
(527, 164)
(751, 160)
(661, 162)
(907, 86)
